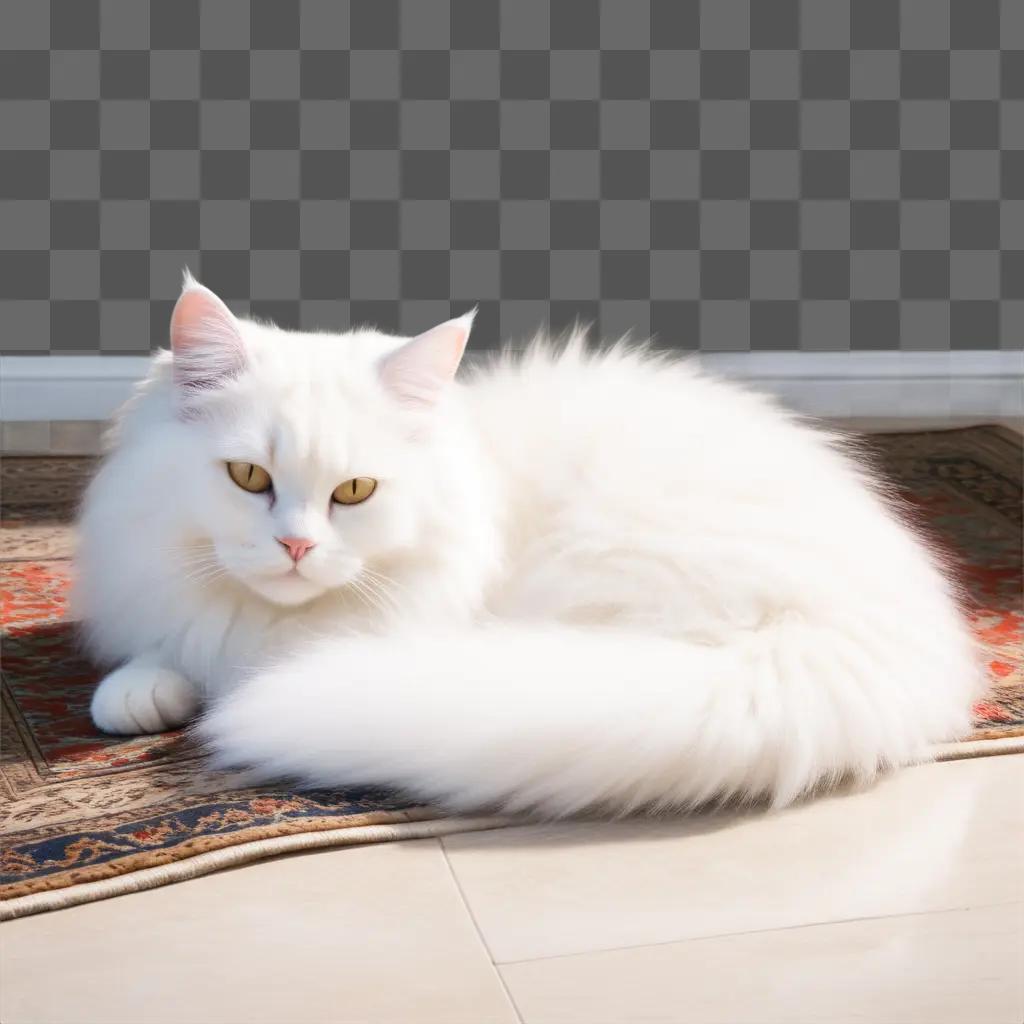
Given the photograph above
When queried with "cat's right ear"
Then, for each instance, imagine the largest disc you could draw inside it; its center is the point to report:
(205, 339)
(418, 372)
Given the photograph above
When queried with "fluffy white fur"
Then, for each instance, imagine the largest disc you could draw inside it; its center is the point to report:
(587, 580)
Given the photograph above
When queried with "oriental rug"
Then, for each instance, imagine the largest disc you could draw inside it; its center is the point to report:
(87, 816)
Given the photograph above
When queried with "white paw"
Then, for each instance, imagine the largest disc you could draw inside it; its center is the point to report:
(142, 697)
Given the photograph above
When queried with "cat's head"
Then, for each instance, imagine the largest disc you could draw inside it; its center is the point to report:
(304, 459)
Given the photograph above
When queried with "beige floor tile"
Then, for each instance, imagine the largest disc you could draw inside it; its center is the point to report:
(76, 437)
(24, 437)
(365, 934)
(954, 967)
(52, 437)
(898, 424)
(935, 837)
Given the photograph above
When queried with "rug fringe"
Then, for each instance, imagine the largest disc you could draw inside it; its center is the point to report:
(958, 751)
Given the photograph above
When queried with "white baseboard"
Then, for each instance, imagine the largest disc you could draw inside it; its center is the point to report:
(836, 384)
(66, 387)
(896, 385)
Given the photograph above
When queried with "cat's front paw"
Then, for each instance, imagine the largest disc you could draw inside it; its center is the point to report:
(142, 697)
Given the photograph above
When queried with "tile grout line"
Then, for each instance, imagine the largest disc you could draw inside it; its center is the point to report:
(759, 931)
(479, 932)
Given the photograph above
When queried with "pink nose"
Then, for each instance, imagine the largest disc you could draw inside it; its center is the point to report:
(296, 546)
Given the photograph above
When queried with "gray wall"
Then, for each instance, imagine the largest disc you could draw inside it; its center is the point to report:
(731, 175)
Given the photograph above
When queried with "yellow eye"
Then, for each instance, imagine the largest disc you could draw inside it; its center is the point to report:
(354, 491)
(249, 476)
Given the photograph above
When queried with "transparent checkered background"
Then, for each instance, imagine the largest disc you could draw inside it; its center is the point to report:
(730, 175)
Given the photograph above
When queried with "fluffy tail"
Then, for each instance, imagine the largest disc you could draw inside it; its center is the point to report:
(558, 720)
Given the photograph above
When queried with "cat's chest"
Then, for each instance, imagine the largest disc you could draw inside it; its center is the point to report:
(220, 646)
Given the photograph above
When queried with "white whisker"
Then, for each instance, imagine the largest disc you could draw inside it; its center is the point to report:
(370, 598)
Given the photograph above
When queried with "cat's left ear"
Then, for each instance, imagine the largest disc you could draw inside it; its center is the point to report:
(206, 342)
(418, 372)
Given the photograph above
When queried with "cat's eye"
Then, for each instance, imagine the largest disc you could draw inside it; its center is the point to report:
(354, 491)
(250, 477)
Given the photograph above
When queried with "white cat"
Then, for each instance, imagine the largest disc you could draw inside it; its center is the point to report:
(572, 580)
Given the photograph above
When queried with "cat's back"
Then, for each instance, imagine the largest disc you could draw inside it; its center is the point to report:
(569, 410)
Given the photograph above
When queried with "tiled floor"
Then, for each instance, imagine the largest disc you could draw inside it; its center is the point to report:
(900, 904)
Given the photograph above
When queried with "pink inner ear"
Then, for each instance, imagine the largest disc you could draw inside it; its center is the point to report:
(418, 372)
(205, 339)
